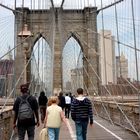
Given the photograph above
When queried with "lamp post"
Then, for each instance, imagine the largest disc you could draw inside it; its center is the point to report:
(26, 34)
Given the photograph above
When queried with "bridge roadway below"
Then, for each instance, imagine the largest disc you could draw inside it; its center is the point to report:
(101, 130)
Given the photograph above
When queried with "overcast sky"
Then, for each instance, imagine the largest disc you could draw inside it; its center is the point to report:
(67, 3)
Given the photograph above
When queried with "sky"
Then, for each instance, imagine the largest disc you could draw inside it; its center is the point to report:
(124, 14)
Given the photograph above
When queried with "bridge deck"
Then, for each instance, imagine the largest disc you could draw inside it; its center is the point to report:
(101, 130)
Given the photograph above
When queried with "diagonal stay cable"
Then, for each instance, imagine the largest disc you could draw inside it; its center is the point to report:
(99, 96)
(6, 7)
(16, 84)
(80, 73)
(117, 104)
(15, 46)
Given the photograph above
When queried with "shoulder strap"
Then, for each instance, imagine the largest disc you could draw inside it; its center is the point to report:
(28, 97)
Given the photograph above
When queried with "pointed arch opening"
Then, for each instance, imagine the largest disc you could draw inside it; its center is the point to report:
(41, 66)
(72, 65)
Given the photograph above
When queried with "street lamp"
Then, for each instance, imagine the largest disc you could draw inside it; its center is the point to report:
(25, 33)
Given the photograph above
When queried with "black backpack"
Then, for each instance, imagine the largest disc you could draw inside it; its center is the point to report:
(25, 111)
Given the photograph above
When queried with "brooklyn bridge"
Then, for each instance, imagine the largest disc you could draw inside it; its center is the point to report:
(61, 45)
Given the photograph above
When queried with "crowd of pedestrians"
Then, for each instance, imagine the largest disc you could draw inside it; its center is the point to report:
(53, 111)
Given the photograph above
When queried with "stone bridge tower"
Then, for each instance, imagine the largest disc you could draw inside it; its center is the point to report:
(57, 26)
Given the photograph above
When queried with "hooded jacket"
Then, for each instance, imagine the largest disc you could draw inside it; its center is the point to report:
(81, 109)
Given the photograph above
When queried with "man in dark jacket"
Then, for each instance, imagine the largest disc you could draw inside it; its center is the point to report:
(61, 100)
(81, 113)
(27, 124)
(42, 101)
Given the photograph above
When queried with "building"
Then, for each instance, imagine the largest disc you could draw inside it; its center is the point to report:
(6, 75)
(121, 66)
(76, 79)
(107, 57)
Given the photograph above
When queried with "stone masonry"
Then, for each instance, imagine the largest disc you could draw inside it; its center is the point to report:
(56, 27)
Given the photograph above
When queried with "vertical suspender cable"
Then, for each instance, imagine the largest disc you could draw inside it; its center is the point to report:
(42, 64)
(14, 70)
(104, 43)
(118, 41)
(38, 58)
(135, 46)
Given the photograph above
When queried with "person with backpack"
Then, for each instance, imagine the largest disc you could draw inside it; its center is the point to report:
(25, 114)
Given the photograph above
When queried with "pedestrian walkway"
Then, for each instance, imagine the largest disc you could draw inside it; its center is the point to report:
(101, 130)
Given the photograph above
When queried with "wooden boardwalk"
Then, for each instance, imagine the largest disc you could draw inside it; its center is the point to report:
(101, 130)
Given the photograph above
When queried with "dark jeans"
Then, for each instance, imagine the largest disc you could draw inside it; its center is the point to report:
(67, 110)
(30, 132)
(43, 113)
(81, 129)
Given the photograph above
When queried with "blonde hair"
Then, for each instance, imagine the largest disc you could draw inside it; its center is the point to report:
(49, 102)
(53, 99)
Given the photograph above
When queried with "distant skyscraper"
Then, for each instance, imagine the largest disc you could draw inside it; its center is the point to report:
(107, 57)
(76, 78)
(121, 66)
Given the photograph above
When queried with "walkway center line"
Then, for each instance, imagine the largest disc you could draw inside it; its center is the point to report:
(72, 134)
(108, 131)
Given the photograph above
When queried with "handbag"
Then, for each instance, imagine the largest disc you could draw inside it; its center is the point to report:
(43, 135)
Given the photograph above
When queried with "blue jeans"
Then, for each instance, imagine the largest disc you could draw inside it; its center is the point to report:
(22, 130)
(53, 133)
(81, 129)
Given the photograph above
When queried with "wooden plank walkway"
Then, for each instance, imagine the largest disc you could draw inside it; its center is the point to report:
(101, 130)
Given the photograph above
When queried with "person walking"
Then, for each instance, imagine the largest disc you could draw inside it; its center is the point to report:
(25, 114)
(61, 101)
(42, 101)
(67, 105)
(81, 113)
(54, 118)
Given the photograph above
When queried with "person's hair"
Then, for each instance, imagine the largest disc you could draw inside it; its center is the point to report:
(49, 102)
(54, 99)
(24, 88)
(42, 93)
(80, 91)
(61, 93)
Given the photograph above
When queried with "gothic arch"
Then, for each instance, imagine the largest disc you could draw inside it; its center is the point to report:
(76, 38)
(36, 39)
